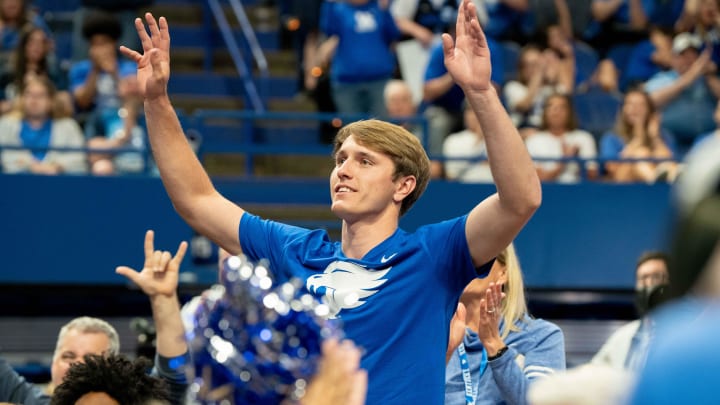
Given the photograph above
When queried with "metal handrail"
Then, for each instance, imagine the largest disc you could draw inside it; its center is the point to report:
(203, 114)
(147, 168)
(234, 49)
(197, 123)
(250, 37)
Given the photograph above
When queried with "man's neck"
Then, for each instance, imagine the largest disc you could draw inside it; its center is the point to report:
(359, 237)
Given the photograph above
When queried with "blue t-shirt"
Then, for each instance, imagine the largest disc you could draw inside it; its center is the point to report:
(407, 287)
(665, 13)
(621, 17)
(40, 138)
(612, 144)
(695, 101)
(365, 34)
(453, 100)
(504, 21)
(107, 95)
(437, 18)
(640, 66)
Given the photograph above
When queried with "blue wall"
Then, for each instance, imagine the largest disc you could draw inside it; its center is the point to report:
(78, 229)
(585, 236)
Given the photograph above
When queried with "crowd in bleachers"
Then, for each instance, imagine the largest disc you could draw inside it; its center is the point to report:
(50, 103)
(640, 77)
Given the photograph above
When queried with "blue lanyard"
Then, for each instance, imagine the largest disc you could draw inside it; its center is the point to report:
(467, 378)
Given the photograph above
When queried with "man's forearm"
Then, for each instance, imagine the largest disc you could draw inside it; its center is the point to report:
(180, 170)
(513, 170)
(168, 325)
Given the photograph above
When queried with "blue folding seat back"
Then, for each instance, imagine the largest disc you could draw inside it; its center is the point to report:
(586, 60)
(511, 57)
(596, 111)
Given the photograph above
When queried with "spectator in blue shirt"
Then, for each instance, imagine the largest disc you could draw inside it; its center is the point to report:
(637, 135)
(690, 89)
(364, 60)
(104, 88)
(37, 127)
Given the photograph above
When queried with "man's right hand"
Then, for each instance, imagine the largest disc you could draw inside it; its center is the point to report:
(154, 63)
(159, 275)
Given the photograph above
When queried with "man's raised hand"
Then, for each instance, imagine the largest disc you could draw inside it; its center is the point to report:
(154, 63)
(159, 275)
(468, 57)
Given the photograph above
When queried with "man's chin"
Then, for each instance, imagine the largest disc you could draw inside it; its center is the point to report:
(336, 208)
(339, 208)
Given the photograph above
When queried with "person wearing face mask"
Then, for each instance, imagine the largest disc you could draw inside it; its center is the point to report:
(624, 349)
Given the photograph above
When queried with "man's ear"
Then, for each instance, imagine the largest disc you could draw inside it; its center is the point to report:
(403, 187)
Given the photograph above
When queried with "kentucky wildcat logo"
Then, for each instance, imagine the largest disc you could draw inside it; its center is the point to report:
(344, 285)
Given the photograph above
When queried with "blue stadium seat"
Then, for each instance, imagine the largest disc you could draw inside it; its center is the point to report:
(586, 60)
(596, 111)
(620, 54)
(63, 45)
(511, 55)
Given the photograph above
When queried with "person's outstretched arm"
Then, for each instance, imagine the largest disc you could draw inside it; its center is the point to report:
(188, 185)
(495, 222)
(159, 280)
(661, 95)
(16, 390)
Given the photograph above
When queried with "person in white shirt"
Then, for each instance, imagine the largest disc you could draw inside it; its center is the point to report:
(470, 144)
(559, 137)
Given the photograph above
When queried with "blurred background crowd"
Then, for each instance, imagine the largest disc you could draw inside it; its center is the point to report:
(600, 90)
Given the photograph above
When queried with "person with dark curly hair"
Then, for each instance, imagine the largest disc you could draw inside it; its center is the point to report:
(110, 379)
(104, 89)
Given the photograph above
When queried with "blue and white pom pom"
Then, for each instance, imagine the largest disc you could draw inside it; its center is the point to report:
(254, 342)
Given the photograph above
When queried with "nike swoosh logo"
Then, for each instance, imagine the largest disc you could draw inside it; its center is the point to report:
(384, 259)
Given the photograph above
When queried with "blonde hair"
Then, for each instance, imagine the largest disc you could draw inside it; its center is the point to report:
(401, 146)
(624, 128)
(514, 306)
(86, 324)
